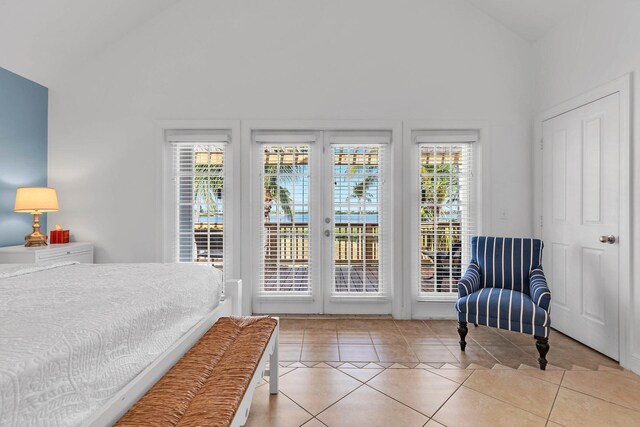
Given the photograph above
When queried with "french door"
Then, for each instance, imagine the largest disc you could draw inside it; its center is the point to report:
(322, 222)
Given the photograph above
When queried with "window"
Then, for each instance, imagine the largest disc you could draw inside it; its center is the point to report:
(198, 159)
(446, 209)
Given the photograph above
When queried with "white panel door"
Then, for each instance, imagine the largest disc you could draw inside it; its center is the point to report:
(581, 221)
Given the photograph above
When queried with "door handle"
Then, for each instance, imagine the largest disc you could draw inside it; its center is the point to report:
(327, 233)
(610, 239)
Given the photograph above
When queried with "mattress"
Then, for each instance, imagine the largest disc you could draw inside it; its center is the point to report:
(72, 335)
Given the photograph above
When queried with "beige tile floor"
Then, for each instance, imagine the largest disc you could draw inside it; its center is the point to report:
(381, 372)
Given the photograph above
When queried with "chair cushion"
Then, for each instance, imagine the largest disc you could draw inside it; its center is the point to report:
(504, 309)
(506, 262)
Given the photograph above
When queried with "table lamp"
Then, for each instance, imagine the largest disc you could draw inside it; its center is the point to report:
(36, 200)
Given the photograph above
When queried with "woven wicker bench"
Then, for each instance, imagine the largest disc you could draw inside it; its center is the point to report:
(213, 383)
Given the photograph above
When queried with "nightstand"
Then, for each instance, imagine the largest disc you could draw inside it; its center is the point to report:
(75, 251)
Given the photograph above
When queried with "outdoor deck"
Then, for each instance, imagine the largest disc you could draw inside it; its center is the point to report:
(349, 279)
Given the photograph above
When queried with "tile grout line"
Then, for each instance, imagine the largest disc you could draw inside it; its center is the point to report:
(363, 382)
(599, 398)
(487, 351)
(325, 409)
(445, 402)
(407, 342)
(446, 378)
(541, 379)
(517, 347)
(555, 398)
(498, 399)
(297, 404)
(400, 402)
(375, 349)
(316, 418)
(304, 333)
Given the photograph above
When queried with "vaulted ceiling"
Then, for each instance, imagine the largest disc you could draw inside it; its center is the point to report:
(40, 39)
(530, 19)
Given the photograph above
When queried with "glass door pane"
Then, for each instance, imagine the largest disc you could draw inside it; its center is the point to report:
(286, 232)
(357, 219)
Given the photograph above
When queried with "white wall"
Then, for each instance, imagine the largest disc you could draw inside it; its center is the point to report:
(598, 44)
(284, 59)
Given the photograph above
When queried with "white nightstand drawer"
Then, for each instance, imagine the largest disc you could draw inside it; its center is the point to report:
(81, 255)
(75, 251)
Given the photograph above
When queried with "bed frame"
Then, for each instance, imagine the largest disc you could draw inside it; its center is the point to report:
(119, 404)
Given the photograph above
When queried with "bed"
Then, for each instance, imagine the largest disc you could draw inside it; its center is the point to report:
(80, 343)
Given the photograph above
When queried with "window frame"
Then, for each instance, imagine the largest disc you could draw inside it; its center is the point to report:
(467, 225)
(420, 306)
(231, 189)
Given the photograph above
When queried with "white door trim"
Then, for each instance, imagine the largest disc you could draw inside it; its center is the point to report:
(250, 262)
(622, 86)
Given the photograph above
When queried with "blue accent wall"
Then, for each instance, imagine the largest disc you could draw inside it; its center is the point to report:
(23, 150)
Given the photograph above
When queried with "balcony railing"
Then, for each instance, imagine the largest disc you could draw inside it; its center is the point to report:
(353, 244)
(288, 244)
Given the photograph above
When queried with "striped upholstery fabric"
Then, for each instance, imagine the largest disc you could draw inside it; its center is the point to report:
(505, 287)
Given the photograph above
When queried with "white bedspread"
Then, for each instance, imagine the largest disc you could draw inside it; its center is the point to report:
(72, 335)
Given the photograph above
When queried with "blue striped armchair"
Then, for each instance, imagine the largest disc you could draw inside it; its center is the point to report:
(504, 287)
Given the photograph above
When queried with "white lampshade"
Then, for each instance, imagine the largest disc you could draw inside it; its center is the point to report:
(36, 199)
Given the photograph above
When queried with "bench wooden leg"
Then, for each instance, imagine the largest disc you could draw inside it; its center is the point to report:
(274, 367)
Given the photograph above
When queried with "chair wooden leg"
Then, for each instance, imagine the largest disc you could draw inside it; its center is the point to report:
(542, 344)
(462, 331)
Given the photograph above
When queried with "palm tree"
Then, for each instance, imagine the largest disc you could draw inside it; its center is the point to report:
(445, 189)
(361, 190)
(435, 193)
(274, 189)
(208, 187)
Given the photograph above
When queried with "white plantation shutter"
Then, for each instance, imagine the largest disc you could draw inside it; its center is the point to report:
(285, 240)
(444, 137)
(198, 184)
(447, 210)
(287, 138)
(359, 220)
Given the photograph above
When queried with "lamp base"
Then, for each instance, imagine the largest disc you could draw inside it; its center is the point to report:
(35, 239)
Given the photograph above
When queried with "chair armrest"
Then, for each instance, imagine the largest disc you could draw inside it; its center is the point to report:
(540, 293)
(470, 282)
